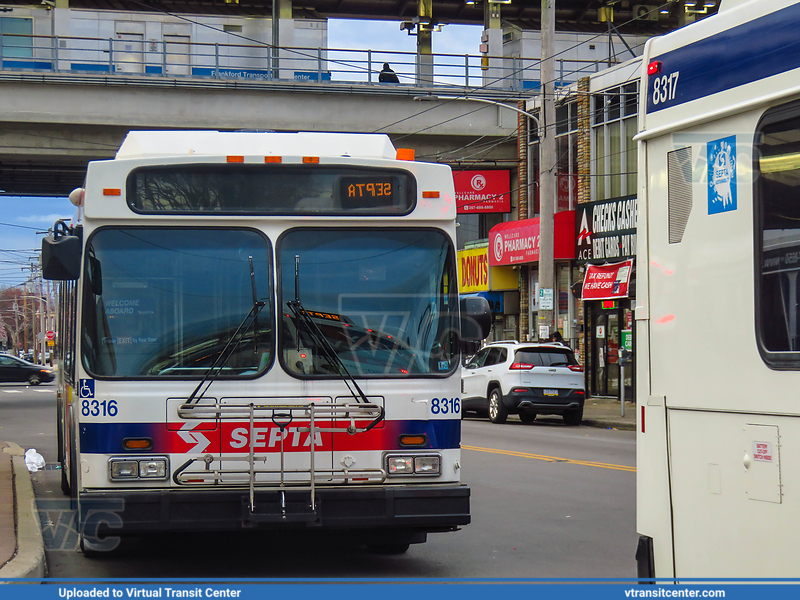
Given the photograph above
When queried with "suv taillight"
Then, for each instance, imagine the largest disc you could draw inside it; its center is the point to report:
(576, 368)
(520, 367)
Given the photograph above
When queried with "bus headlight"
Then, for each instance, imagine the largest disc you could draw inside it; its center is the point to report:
(400, 465)
(426, 465)
(145, 467)
(124, 469)
(156, 468)
(413, 464)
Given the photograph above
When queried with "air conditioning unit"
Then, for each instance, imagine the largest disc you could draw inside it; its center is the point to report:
(645, 12)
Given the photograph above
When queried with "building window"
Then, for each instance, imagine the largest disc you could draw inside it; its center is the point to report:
(614, 152)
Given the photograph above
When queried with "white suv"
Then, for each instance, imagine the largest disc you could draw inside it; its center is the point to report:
(526, 379)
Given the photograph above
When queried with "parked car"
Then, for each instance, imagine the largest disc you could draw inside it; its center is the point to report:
(14, 369)
(526, 379)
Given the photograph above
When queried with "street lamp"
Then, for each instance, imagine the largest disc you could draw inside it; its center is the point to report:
(546, 213)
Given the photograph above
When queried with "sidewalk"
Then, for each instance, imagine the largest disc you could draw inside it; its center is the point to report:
(606, 413)
(21, 543)
(22, 547)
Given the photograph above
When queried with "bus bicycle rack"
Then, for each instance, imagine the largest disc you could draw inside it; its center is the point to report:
(284, 482)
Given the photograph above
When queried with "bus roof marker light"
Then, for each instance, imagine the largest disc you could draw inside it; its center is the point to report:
(654, 68)
(235, 159)
(112, 192)
(405, 154)
(273, 159)
(311, 160)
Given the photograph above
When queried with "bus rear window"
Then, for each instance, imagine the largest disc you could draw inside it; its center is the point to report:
(270, 189)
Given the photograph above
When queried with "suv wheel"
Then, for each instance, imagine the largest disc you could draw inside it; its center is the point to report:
(574, 417)
(497, 412)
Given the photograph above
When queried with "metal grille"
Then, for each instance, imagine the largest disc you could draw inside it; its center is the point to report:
(679, 192)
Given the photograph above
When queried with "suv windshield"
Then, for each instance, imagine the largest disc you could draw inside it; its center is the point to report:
(545, 357)
(161, 302)
(385, 299)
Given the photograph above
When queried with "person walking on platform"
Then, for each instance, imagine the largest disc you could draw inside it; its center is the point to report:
(387, 75)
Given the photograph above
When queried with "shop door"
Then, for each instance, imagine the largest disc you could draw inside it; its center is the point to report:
(605, 342)
(605, 352)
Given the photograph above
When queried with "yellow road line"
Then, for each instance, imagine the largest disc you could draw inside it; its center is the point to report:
(585, 463)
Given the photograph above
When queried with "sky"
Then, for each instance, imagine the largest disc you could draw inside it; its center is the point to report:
(20, 244)
(22, 218)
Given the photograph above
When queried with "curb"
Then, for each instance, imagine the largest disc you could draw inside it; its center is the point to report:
(29, 561)
(600, 423)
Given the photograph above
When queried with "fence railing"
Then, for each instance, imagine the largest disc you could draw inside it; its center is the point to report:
(115, 56)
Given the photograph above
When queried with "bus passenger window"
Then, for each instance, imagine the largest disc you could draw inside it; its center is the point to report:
(777, 189)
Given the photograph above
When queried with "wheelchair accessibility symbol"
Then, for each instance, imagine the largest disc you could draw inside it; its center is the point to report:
(86, 388)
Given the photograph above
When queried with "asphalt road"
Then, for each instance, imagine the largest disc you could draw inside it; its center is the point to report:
(547, 501)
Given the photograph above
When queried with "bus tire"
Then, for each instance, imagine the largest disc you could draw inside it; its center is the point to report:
(388, 548)
(497, 410)
(90, 549)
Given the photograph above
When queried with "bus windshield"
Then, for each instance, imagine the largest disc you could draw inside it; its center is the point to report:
(163, 302)
(384, 299)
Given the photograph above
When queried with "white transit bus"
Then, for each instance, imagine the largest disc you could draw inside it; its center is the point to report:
(718, 329)
(262, 330)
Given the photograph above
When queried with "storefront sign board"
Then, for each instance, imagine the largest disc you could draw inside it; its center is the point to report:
(605, 230)
(482, 191)
(517, 242)
(606, 282)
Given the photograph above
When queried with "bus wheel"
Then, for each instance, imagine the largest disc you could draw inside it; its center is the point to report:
(89, 549)
(388, 548)
(497, 412)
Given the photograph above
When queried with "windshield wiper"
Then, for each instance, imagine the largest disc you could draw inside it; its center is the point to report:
(239, 333)
(319, 338)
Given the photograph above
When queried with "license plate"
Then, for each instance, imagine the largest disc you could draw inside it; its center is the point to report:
(550, 392)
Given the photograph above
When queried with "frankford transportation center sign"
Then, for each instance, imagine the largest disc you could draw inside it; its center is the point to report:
(605, 230)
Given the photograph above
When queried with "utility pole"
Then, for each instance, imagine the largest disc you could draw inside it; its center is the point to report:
(547, 177)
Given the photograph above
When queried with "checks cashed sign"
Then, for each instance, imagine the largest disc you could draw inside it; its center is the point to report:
(605, 230)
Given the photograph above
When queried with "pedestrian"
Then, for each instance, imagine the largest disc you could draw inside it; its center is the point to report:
(557, 339)
(387, 75)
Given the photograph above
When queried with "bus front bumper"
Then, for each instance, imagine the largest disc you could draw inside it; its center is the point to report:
(427, 508)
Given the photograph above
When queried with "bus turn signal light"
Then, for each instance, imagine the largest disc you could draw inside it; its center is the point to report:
(137, 443)
(112, 192)
(430, 194)
(413, 440)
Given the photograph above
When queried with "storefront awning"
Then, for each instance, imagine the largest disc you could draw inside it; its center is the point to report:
(517, 242)
(607, 282)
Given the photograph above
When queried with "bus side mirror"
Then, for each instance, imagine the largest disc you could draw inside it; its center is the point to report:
(476, 318)
(61, 254)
